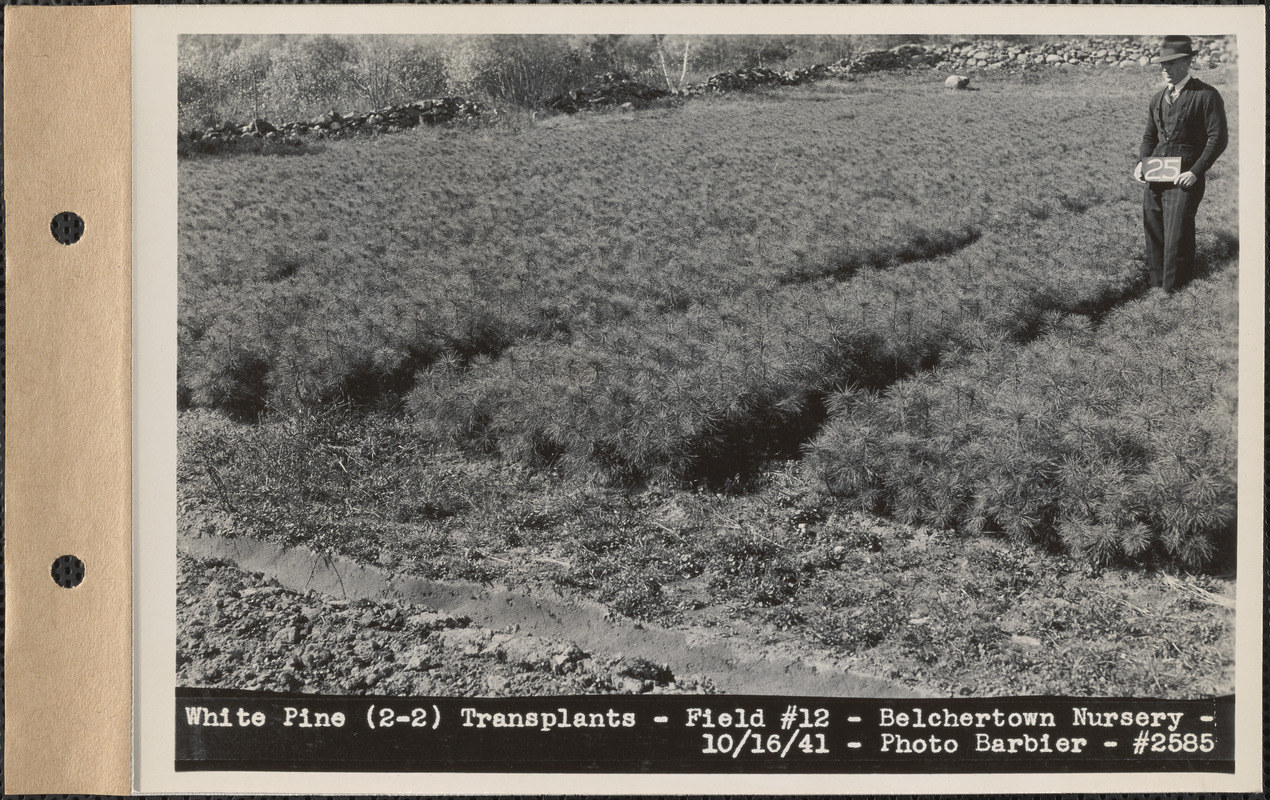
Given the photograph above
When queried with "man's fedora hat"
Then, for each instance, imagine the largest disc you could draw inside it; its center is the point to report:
(1173, 48)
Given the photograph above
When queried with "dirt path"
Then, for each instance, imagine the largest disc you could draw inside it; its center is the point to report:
(731, 667)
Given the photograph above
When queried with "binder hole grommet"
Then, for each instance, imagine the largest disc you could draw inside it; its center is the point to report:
(67, 227)
(68, 572)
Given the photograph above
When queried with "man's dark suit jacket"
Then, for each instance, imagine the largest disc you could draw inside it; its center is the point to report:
(1193, 127)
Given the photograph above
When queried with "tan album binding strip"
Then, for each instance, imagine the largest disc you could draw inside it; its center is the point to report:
(67, 148)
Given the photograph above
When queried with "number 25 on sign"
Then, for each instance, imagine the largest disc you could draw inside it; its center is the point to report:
(1161, 169)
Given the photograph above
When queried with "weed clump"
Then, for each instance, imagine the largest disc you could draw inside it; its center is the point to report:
(759, 568)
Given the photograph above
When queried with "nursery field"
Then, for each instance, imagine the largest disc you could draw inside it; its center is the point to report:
(865, 370)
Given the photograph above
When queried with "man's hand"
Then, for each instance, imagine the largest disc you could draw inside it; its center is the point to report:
(1186, 180)
(1137, 173)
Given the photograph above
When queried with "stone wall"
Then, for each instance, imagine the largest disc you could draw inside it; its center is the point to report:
(610, 89)
(620, 90)
(1116, 52)
(981, 55)
(391, 119)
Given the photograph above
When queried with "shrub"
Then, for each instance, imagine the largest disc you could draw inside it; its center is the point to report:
(712, 393)
(1109, 440)
(233, 376)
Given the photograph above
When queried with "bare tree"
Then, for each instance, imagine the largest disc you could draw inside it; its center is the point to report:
(665, 71)
(375, 68)
(248, 73)
(311, 74)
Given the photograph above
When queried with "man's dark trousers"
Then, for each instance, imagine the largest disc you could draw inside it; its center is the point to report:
(1191, 127)
(1168, 212)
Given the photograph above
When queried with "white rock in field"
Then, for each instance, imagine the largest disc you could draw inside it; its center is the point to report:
(420, 658)
(956, 82)
(628, 685)
(497, 683)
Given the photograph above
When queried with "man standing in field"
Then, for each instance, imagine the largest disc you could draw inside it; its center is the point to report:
(1186, 132)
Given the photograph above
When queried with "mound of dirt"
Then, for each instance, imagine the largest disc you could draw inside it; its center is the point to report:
(237, 629)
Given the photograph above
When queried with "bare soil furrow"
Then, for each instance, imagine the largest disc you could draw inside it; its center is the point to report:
(589, 625)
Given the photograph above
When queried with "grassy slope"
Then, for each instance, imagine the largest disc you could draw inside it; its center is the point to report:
(479, 259)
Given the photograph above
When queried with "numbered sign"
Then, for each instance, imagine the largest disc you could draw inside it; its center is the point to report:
(1161, 169)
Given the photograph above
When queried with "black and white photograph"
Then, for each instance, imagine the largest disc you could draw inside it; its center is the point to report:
(878, 365)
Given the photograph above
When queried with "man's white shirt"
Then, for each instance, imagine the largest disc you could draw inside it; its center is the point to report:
(1176, 91)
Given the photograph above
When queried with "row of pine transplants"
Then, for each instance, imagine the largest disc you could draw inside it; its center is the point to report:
(952, 334)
